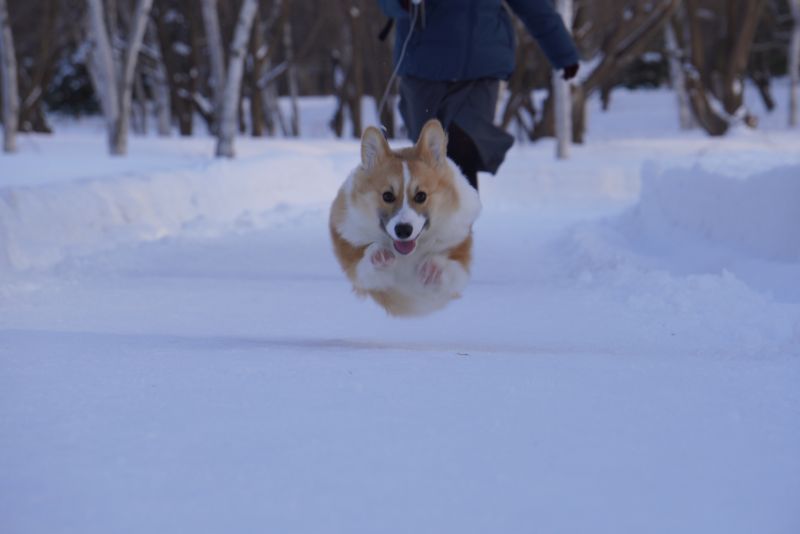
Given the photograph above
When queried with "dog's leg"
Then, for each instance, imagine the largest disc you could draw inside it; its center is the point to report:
(442, 274)
(375, 270)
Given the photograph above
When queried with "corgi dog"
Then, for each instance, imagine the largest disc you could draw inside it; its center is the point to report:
(401, 224)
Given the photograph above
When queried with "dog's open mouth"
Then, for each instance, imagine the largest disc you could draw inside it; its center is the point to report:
(405, 247)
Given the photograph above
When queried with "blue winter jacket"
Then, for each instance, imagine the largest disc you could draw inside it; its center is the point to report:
(470, 39)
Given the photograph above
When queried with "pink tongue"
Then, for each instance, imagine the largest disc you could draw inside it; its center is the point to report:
(405, 247)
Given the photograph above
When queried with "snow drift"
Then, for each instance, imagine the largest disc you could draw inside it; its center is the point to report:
(42, 225)
(695, 222)
(756, 217)
(694, 219)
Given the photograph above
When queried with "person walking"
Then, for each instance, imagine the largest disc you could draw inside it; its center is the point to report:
(451, 55)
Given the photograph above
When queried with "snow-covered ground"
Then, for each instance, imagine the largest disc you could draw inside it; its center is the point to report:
(180, 353)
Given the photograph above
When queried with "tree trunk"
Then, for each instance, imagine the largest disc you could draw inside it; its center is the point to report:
(357, 72)
(264, 97)
(794, 65)
(695, 71)
(561, 92)
(119, 144)
(291, 76)
(716, 88)
(139, 110)
(8, 73)
(579, 120)
(230, 101)
(216, 58)
(101, 68)
(272, 109)
(627, 42)
(257, 119)
(733, 82)
(33, 86)
(563, 114)
(677, 78)
(160, 84)
(520, 107)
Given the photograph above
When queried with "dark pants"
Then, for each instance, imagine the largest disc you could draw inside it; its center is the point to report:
(466, 110)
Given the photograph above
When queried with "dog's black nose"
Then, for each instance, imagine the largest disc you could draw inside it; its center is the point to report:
(403, 230)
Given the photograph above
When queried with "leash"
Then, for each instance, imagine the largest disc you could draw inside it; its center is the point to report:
(418, 7)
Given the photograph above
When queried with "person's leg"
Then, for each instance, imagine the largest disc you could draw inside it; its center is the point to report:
(475, 144)
(466, 110)
(420, 101)
(475, 117)
(462, 150)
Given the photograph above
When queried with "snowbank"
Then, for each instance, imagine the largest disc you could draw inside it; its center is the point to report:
(756, 217)
(744, 231)
(693, 219)
(42, 225)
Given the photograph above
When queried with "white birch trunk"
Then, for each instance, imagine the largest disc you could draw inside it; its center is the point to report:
(160, 85)
(794, 65)
(267, 91)
(269, 97)
(101, 67)
(8, 74)
(136, 34)
(291, 77)
(562, 94)
(678, 78)
(216, 55)
(233, 83)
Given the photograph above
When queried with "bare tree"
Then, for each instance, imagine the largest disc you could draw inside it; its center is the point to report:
(259, 116)
(610, 35)
(520, 107)
(160, 83)
(134, 43)
(718, 59)
(216, 57)
(44, 34)
(8, 72)
(794, 64)
(677, 77)
(101, 67)
(115, 91)
(264, 108)
(348, 71)
(177, 33)
(628, 38)
(561, 93)
(291, 74)
(233, 82)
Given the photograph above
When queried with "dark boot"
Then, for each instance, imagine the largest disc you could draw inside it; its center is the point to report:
(462, 150)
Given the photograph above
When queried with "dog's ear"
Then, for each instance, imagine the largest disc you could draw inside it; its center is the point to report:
(373, 147)
(432, 142)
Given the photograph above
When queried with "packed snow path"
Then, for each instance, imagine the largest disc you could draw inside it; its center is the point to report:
(624, 360)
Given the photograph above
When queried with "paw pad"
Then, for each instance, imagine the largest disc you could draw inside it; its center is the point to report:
(382, 258)
(430, 273)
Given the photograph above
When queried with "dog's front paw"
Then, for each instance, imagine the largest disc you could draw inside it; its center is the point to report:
(430, 273)
(382, 258)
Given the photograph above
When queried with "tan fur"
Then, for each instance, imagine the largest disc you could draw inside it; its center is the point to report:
(347, 254)
(463, 253)
(359, 212)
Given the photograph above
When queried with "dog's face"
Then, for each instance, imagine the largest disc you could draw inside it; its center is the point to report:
(407, 193)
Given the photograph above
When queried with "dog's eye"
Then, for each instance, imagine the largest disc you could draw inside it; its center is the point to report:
(420, 197)
(388, 196)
